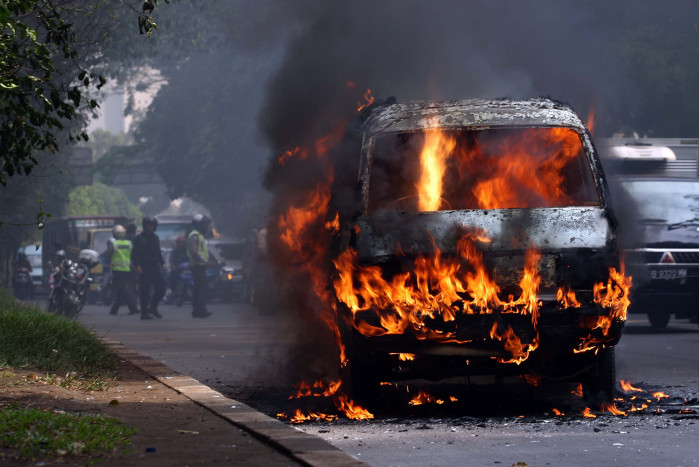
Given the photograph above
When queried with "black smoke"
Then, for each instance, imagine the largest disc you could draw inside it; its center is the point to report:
(451, 49)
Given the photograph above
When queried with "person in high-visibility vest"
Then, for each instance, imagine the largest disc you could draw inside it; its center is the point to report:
(119, 254)
(199, 259)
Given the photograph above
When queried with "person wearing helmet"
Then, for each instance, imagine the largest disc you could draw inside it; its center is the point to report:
(131, 230)
(199, 259)
(148, 259)
(118, 253)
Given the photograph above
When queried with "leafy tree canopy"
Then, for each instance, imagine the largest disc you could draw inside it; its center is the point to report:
(99, 199)
(54, 56)
(33, 105)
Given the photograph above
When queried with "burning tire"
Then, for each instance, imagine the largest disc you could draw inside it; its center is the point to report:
(599, 384)
(361, 376)
(361, 382)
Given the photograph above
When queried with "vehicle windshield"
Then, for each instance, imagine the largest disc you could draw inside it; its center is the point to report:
(500, 168)
(34, 259)
(170, 231)
(667, 201)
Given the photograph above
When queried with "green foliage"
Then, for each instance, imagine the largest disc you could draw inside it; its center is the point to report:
(100, 199)
(31, 337)
(665, 66)
(101, 141)
(39, 434)
(145, 21)
(26, 202)
(34, 104)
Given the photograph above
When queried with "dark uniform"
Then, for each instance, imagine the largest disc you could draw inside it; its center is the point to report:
(148, 259)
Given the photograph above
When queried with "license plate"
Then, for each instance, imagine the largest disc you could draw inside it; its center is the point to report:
(668, 274)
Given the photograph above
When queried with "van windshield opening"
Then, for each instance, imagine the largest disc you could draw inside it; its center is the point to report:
(447, 169)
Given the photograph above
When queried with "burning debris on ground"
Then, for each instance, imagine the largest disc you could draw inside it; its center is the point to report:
(440, 404)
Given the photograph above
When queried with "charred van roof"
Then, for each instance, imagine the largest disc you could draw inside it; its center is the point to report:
(471, 113)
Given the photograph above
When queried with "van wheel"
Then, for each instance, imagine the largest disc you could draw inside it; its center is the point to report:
(361, 376)
(659, 319)
(361, 382)
(599, 385)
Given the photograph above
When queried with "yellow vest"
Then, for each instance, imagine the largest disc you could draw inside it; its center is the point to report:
(121, 259)
(202, 249)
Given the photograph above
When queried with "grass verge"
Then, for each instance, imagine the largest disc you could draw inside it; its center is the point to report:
(41, 434)
(32, 338)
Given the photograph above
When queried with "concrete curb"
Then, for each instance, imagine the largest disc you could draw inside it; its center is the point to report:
(302, 447)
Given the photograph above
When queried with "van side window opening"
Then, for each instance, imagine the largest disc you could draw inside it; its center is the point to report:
(499, 168)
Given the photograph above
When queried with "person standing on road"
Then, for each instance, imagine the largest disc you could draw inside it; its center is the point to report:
(199, 259)
(148, 259)
(118, 253)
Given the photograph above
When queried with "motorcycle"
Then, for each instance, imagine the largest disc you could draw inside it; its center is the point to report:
(69, 283)
(22, 283)
(183, 289)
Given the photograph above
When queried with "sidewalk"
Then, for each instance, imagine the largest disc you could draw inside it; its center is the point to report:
(218, 430)
(179, 421)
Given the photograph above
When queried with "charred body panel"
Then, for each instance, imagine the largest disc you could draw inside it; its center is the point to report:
(576, 242)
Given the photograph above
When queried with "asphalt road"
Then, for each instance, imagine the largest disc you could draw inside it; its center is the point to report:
(246, 355)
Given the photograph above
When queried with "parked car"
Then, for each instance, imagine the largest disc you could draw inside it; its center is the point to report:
(661, 217)
(226, 279)
(34, 256)
(481, 241)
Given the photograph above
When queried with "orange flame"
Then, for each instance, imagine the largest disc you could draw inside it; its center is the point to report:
(316, 389)
(522, 172)
(437, 288)
(291, 153)
(587, 414)
(590, 123)
(614, 294)
(368, 100)
(578, 391)
(660, 395)
(351, 410)
(300, 417)
(437, 149)
(638, 409)
(626, 386)
(566, 298)
(611, 408)
(557, 412)
(424, 398)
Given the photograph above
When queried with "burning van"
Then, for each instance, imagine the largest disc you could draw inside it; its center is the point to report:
(482, 242)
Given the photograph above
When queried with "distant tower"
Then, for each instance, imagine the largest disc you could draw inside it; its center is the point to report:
(113, 112)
